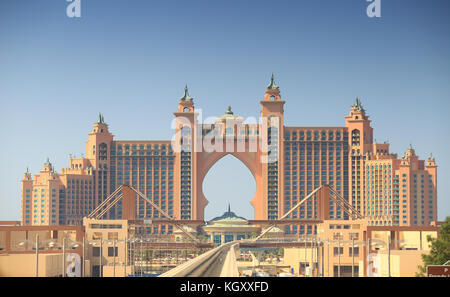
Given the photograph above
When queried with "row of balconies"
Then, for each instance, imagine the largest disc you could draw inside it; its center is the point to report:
(295, 139)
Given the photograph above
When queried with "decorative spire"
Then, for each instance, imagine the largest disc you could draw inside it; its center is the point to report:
(358, 104)
(186, 94)
(229, 207)
(48, 161)
(27, 170)
(410, 151)
(272, 84)
(101, 119)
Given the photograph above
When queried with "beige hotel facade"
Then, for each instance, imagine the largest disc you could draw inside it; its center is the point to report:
(388, 190)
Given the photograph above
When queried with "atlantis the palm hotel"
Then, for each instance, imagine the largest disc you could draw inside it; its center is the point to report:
(393, 194)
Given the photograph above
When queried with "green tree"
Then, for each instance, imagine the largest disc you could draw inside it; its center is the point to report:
(440, 249)
(280, 252)
(203, 237)
(254, 235)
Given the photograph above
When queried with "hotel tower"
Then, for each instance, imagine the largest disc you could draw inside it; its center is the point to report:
(287, 163)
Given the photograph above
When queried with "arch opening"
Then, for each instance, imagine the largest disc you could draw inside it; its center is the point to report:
(229, 181)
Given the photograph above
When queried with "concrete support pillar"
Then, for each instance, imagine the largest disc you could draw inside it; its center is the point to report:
(128, 203)
(323, 203)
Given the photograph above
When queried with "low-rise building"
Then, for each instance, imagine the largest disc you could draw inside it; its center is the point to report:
(229, 227)
(38, 250)
(107, 247)
(341, 248)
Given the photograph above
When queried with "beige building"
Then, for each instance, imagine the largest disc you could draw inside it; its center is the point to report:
(400, 192)
(404, 263)
(103, 242)
(107, 247)
(38, 250)
(343, 239)
(53, 198)
(171, 173)
(330, 250)
(330, 253)
(24, 265)
(229, 227)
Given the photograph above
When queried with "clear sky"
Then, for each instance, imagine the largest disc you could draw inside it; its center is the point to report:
(131, 59)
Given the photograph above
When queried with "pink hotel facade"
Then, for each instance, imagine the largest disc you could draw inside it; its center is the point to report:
(387, 190)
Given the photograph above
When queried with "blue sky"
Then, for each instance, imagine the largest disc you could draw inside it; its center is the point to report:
(131, 59)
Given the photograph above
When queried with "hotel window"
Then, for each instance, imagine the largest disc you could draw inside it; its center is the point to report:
(113, 251)
(96, 252)
(338, 250)
(356, 250)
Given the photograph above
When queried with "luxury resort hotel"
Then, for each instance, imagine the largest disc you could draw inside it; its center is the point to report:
(383, 188)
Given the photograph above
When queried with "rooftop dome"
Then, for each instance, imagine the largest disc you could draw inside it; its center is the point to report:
(228, 115)
(228, 216)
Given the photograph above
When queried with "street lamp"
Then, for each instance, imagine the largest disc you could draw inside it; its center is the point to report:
(126, 256)
(98, 242)
(355, 244)
(64, 258)
(339, 255)
(114, 262)
(37, 252)
(339, 243)
(328, 255)
(140, 254)
(72, 244)
(113, 242)
(305, 240)
(377, 243)
(133, 248)
(320, 250)
(101, 256)
(312, 256)
(37, 244)
(353, 256)
(389, 255)
(133, 255)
